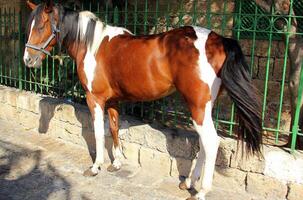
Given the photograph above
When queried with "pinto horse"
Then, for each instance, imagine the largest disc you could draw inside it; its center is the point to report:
(115, 65)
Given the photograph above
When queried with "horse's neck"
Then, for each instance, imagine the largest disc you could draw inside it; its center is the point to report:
(82, 43)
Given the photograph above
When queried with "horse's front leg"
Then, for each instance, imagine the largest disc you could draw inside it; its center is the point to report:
(96, 107)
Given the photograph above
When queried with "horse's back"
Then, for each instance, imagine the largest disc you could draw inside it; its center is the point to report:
(146, 67)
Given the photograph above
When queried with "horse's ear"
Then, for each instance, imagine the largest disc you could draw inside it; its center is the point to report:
(48, 6)
(31, 5)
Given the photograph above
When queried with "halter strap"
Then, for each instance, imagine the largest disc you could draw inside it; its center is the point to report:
(42, 48)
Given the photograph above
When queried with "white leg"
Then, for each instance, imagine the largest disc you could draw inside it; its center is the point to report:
(117, 157)
(195, 171)
(209, 143)
(99, 136)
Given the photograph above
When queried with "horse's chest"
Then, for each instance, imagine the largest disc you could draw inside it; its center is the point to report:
(89, 68)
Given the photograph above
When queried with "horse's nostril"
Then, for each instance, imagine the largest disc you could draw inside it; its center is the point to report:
(27, 60)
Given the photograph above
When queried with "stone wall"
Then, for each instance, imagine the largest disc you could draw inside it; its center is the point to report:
(162, 151)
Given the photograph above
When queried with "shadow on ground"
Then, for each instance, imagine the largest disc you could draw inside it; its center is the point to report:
(23, 175)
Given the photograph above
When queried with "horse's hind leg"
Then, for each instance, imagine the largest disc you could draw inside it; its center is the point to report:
(200, 99)
(209, 143)
(113, 116)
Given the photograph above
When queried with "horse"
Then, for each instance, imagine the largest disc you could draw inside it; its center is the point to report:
(114, 65)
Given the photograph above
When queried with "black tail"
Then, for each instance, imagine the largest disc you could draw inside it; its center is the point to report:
(237, 81)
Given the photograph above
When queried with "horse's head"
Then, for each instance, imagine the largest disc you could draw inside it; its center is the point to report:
(42, 33)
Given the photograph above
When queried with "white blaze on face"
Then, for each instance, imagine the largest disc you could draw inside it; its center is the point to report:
(26, 55)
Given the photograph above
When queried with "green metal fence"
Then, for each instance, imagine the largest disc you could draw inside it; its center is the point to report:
(263, 39)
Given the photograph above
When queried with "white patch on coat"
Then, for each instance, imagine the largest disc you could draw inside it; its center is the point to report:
(206, 72)
(99, 136)
(89, 68)
(101, 31)
(26, 54)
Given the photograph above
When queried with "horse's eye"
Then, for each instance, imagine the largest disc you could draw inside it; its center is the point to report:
(40, 28)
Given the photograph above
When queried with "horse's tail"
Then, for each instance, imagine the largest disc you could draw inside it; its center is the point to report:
(237, 81)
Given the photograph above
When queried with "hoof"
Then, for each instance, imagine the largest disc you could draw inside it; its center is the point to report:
(89, 173)
(183, 186)
(112, 168)
(192, 198)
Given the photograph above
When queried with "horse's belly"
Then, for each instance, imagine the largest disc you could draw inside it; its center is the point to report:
(141, 92)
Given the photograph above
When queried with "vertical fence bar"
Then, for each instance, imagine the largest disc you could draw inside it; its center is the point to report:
(10, 62)
(284, 71)
(181, 13)
(53, 74)
(253, 42)
(15, 69)
(5, 34)
(135, 17)
(126, 14)
(106, 12)
(195, 12)
(19, 49)
(1, 46)
(267, 72)
(145, 16)
(295, 126)
(208, 15)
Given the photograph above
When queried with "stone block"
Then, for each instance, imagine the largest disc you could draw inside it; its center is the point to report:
(180, 167)
(225, 151)
(56, 128)
(22, 100)
(34, 102)
(265, 187)
(295, 192)
(84, 117)
(29, 119)
(27, 101)
(123, 128)
(183, 146)
(73, 129)
(230, 178)
(8, 112)
(136, 134)
(66, 112)
(11, 96)
(156, 139)
(242, 161)
(131, 152)
(47, 107)
(154, 161)
(283, 166)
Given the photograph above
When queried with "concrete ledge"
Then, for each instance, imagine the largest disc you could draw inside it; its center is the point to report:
(163, 151)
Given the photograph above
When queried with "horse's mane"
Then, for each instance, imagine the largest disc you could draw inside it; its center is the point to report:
(35, 14)
(74, 26)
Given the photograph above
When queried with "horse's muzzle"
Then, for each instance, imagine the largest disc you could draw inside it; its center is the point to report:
(32, 61)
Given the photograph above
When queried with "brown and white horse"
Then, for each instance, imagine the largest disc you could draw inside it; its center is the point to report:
(114, 65)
